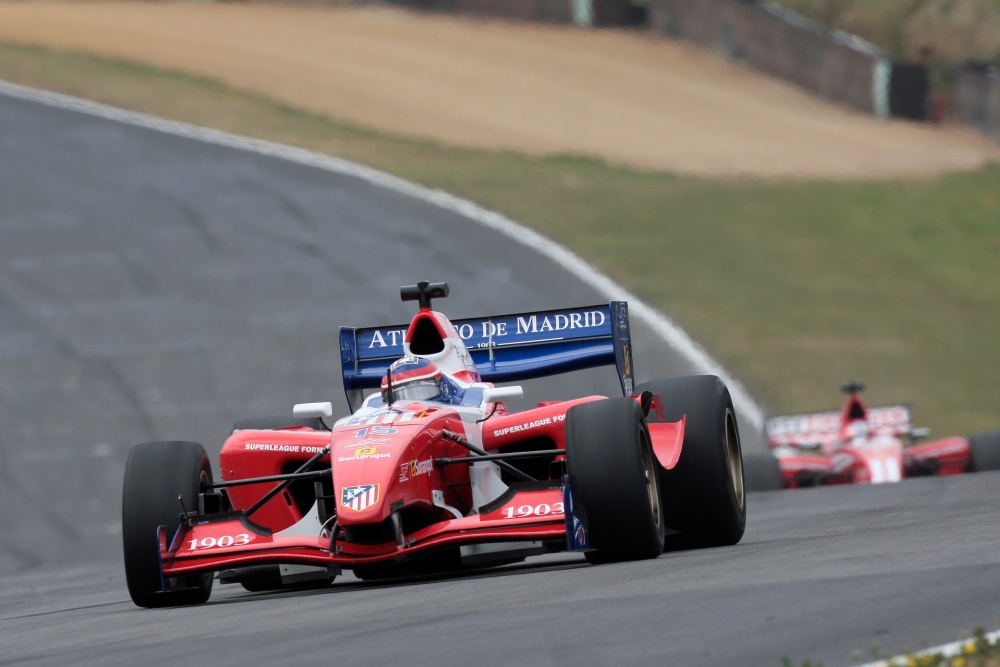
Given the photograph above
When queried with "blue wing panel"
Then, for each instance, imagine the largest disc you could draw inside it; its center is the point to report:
(505, 348)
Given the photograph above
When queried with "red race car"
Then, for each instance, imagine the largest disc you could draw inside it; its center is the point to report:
(432, 473)
(870, 445)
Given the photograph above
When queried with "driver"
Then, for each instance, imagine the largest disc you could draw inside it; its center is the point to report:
(416, 379)
(857, 432)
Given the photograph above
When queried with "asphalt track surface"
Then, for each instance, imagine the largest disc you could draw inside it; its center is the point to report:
(154, 287)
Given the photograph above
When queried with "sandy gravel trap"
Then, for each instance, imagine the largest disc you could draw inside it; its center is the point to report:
(627, 96)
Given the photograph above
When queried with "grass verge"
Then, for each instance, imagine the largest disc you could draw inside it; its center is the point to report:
(795, 287)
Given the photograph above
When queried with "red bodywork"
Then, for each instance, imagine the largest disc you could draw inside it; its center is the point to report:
(390, 496)
(859, 445)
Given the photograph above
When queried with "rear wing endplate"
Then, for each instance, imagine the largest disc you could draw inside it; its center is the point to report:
(505, 348)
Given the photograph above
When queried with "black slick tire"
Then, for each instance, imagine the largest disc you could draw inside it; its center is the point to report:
(703, 495)
(984, 451)
(613, 480)
(761, 472)
(156, 474)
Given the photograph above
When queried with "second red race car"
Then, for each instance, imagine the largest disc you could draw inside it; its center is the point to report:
(859, 444)
(432, 473)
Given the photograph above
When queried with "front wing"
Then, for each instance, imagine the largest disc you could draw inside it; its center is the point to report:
(228, 540)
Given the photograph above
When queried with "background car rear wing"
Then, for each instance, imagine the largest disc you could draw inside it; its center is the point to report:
(505, 348)
(822, 428)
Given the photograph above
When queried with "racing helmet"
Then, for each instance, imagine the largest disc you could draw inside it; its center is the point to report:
(858, 431)
(415, 379)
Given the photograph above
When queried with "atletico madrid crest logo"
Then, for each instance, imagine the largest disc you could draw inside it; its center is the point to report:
(359, 498)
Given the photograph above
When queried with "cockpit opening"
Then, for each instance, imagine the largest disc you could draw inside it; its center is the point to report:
(425, 338)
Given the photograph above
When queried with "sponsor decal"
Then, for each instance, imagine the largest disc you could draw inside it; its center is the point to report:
(260, 447)
(528, 425)
(576, 532)
(264, 447)
(891, 416)
(363, 453)
(882, 417)
(387, 338)
(623, 319)
(488, 330)
(585, 320)
(414, 468)
(581, 534)
(486, 333)
(359, 498)
(366, 442)
(385, 416)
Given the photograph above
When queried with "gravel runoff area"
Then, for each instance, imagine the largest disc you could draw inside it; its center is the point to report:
(625, 96)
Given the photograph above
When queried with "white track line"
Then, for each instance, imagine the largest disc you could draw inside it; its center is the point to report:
(946, 650)
(672, 334)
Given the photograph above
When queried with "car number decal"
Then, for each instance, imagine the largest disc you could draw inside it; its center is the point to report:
(224, 541)
(522, 511)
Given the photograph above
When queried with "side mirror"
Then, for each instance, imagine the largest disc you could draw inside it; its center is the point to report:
(919, 433)
(494, 394)
(312, 410)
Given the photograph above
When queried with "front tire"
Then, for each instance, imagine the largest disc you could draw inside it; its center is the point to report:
(703, 495)
(612, 474)
(984, 451)
(155, 475)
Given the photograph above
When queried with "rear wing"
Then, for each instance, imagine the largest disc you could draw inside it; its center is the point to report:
(823, 428)
(505, 348)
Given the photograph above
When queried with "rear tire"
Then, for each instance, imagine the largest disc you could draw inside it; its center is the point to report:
(155, 475)
(612, 474)
(761, 472)
(984, 451)
(703, 495)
